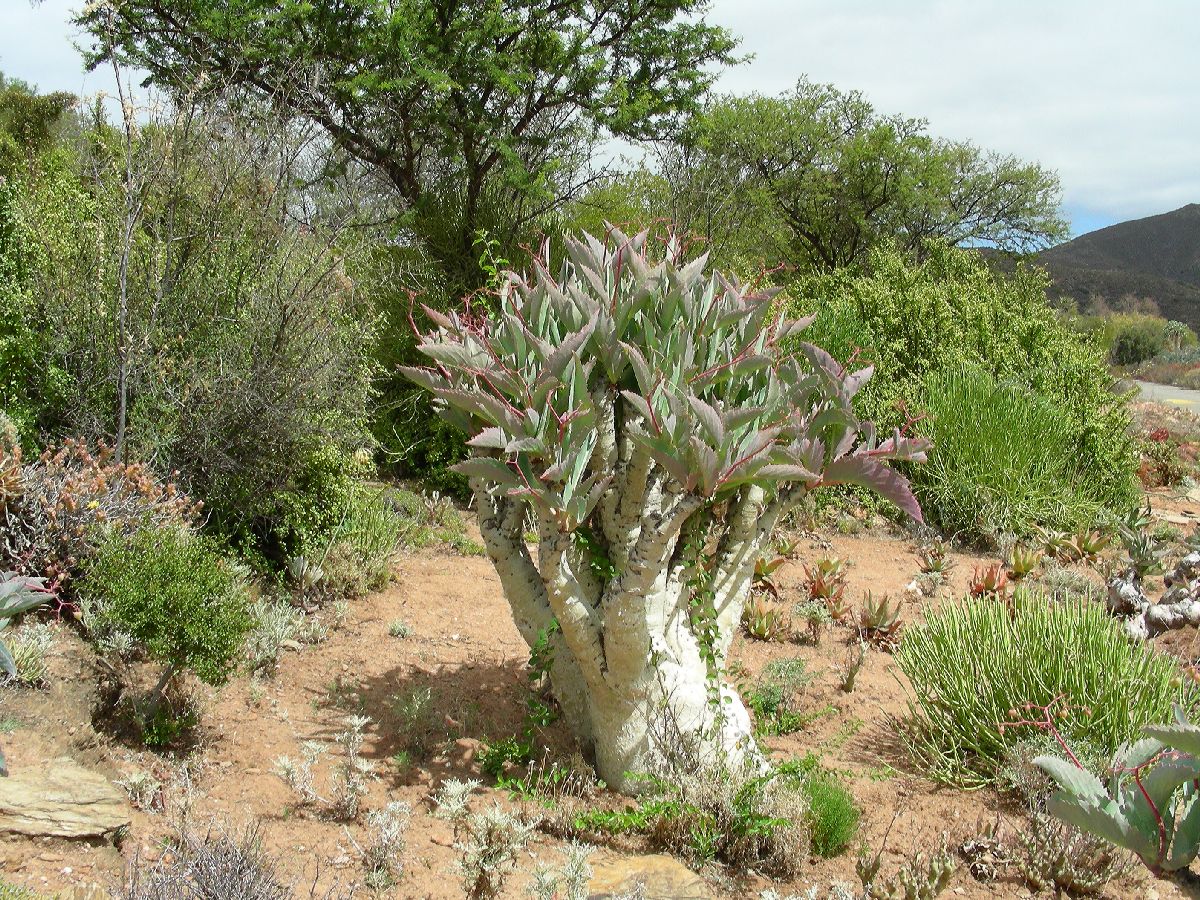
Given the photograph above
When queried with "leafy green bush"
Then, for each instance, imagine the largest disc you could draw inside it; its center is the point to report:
(1003, 459)
(29, 388)
(773, 697)
(1135, 339)
(176, 595)
(748, 821)
(950, 311)
(362, 546)
(973, 666)
(252, 339)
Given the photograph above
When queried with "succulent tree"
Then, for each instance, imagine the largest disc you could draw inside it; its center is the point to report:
(656, 420)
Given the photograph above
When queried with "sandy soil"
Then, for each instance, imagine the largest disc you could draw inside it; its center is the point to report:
(465, 651)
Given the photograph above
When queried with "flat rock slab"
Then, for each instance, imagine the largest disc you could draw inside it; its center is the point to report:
(60, 798)
(662, 877)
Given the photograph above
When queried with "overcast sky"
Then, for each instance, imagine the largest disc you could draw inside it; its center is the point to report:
(1107, 92)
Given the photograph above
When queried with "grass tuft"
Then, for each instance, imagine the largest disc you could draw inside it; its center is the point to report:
(973, 666)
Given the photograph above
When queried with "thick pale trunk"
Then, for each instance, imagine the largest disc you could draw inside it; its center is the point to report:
(674, 712)
(637, 678)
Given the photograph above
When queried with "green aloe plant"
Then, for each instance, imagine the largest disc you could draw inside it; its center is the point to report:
(1151, 805)
(18, 594)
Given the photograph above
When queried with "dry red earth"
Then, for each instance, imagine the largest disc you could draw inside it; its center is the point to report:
(465, 650)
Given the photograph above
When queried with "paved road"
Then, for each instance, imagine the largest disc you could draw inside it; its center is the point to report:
(1165, 393)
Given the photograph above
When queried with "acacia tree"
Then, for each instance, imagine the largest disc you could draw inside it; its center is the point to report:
(656, 421)
(472, 110)
(818, 177)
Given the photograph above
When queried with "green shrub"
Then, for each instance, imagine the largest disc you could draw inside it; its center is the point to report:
(1135, 339)
(1004, 459)
(176, 595)
(773, 697)
(952, 311)
(974, 665)
(746, 820)
(10, 891)
(364, 543)
(252, 337)
(832, 813)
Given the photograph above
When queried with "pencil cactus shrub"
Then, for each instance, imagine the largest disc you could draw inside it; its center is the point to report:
(648, 416)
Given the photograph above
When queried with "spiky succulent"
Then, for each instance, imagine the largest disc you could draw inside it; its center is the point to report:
(685, 364)
(765, 620)
(932, 559)
(879, 619)
(826, 582)
(18, 595)
(1057, 544)
(1023, 561)
(768, 564)
(990, 581)
(1089, 543)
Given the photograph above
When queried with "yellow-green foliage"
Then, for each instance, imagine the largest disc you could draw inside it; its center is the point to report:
(914, 321)
(974, 666)
(175, 594)
(1003, 459)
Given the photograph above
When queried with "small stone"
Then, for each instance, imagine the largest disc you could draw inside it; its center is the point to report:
(662, 877)
(60, 798)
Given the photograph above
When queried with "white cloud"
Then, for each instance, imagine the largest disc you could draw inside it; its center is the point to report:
(37, 45)
(1104, 91)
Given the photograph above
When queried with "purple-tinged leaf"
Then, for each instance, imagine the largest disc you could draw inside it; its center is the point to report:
(526, 445)
(429, 379)
(442, 321)
(456, 356)
(709, 418)
(489, 469)
(564, 352)
(786, 472)
(876, 476)
(855, 382)
(641, 369)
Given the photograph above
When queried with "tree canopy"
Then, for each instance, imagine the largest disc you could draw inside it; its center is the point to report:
(818, 177)
(473, 110)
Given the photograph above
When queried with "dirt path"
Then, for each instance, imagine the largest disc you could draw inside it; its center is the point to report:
(456, 680)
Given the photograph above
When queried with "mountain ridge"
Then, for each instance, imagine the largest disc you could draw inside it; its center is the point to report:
(1120, 267)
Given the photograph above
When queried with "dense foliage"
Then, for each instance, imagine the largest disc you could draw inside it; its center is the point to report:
(477, 114)
(975, 665)
(57, 507)
(817, 177)
(1005, 459)
(163, 297)
(917, 321)
(175, 594)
